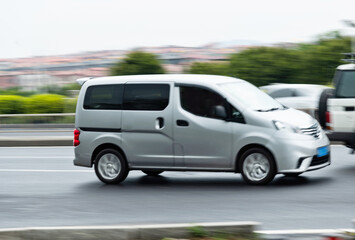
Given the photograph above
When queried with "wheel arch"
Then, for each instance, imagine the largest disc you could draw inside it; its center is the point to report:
(246, 148)
(103, 146)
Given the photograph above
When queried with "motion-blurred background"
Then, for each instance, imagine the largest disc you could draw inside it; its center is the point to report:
(46, 45)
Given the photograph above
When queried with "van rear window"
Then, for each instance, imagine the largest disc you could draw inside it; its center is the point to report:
(104, 97)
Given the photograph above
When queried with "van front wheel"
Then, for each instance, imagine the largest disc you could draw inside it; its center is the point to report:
(110, 166)
(257, 166)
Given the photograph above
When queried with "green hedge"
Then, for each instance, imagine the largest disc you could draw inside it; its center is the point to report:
(45, 103)
(41, 103)
(12, 104)
(70, 105)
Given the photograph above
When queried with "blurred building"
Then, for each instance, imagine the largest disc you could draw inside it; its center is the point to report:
(32, 73)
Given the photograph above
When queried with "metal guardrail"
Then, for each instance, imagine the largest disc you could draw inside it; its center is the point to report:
(13, 125)
(56, 120)
(37, 115)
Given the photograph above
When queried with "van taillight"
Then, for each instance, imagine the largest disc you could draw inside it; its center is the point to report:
(76, 138)
(328, 121)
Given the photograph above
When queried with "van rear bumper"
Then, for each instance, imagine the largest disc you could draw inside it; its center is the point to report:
(79, 163)
(82, 160)
(347, 137)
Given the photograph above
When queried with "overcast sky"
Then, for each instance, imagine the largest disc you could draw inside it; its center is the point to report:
(47, 27)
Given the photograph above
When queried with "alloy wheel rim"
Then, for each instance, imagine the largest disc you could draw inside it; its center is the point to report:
(256, 167)
(109, 166)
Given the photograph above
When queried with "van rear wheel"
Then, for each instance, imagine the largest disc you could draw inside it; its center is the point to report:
(111, 166)
(152, 172)
(257, 166)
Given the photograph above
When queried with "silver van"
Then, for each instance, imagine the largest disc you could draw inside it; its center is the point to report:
(169, 122)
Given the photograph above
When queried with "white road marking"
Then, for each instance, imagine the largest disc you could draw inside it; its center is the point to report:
(137, 227)
(44, 170)
(305, 231)
(39, 147)
(36, 157)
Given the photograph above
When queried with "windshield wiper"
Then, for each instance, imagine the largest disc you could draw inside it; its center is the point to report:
(268, 110)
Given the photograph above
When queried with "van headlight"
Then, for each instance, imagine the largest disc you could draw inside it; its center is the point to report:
(285, 127)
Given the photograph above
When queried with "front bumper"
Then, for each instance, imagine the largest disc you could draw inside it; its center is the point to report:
(298, 153)
(310, 164)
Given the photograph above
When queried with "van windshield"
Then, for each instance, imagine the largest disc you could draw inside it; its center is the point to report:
(252, 97)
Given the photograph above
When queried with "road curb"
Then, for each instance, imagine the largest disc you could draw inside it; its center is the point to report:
(130, 232)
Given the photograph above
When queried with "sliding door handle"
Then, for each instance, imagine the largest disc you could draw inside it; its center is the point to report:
(182, 123)
(159, 123)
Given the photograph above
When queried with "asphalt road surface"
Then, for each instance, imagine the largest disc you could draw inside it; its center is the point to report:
(41, 187)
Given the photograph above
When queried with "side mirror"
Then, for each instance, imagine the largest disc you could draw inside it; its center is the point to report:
(220, 112)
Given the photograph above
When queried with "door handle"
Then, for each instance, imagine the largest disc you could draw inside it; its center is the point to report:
(159, 123)
(182, 123)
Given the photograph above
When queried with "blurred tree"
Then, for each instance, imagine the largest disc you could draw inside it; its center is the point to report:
(60, 90)
(137, 63)
(308, 63)
(265, 65)
(209, 68)
(320, 60)
(15, 91)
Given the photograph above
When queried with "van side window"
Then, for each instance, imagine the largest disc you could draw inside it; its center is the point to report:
(104, 97)
(200, 101)
(146, 97)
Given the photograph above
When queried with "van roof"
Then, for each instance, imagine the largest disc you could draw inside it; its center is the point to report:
(177, 78)
(350, 66)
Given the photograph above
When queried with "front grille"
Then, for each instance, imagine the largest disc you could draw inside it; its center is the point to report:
(313, 130)
(319, 160)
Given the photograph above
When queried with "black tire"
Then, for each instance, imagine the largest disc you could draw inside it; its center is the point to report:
(292, 174)
(152, 172)
(263, 166)
(322, 106)
(111, 166)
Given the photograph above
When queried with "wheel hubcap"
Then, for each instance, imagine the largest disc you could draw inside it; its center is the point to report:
(109, 166)
(256, 167)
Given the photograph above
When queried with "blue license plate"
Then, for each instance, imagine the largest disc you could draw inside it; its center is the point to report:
(323, 151)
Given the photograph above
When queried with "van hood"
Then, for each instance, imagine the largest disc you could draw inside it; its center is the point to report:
(290, 116)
